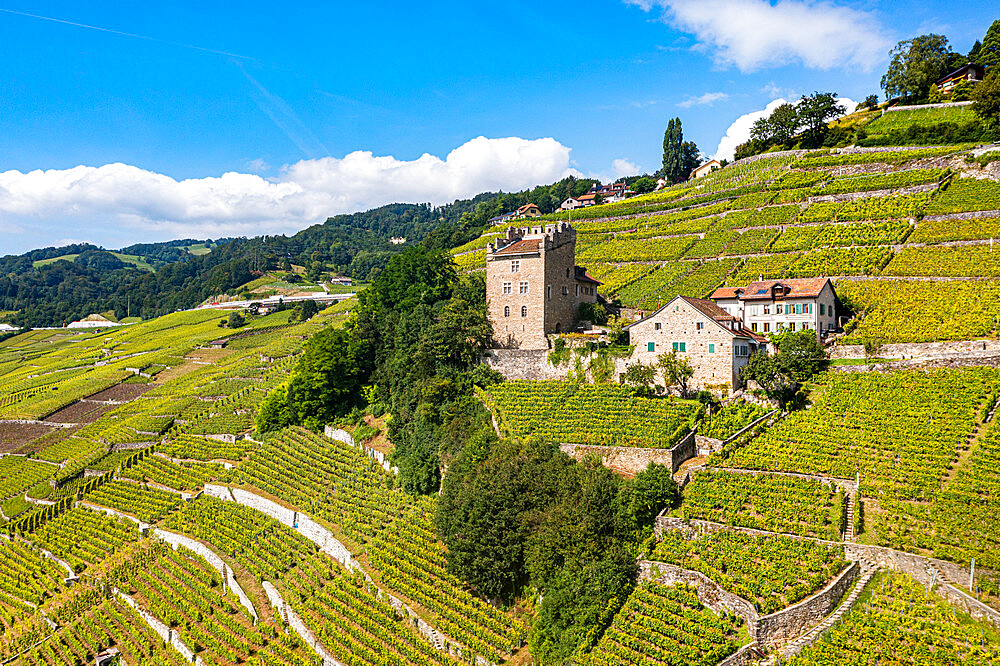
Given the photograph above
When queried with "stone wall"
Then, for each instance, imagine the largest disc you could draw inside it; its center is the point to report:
(871, 194)
(710, 593)
(306, 526)
(168, 635)
(972, 215)
(784, 625)
(633, 460)
(920, 568)
(525, 364)
(346, 437)
(920, 350)
(297, 625)
(213, 560)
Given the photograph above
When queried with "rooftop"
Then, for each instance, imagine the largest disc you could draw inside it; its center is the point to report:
(762, 290)
(523, 246)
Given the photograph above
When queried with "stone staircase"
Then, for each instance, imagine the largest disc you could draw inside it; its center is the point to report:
(851, 508)
(810, 636)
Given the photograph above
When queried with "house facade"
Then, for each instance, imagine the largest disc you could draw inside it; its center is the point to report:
(706, 168)
(534, 286)
(714, 342)
(770, 306)
(968, 72)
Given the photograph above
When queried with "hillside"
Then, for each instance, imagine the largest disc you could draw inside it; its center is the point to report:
(905, 233)
(356, 486)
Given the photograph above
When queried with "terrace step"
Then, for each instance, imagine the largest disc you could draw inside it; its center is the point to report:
(809, 637)
(851, 508)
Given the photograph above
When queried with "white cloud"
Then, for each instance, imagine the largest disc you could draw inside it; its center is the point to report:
(708, 99)
(752, 34)
(258, 165)
(123, 201)
(739, 131)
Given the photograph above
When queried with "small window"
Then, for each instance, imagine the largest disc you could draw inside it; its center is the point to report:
(657, 326)
(523, 288)
(822, 308)
(524, 310)
(506, 311)
(767, 309)
(711, 348)
(506, 288)
(576, 290)
(515, 266)
(683, 346)
(565, 291)
(548, 291)
(567, 272)
(700, 325)
(809, 306)
(753, 327)
(675, 346)
(651, 346)
(779, 309)
(767, 327)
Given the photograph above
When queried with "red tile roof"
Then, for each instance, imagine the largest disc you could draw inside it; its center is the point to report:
(587, 278)
(526, 207)
(523, 246)
(798, 288)
(709, 309)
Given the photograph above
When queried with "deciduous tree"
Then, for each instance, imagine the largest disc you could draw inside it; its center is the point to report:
(916, 64)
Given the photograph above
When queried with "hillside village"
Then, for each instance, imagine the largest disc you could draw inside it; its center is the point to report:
(744, 417)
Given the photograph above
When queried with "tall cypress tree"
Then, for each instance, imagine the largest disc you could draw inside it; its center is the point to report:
(679, 156)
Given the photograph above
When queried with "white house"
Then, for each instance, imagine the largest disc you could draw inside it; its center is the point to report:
(706, 168)
(769, 306)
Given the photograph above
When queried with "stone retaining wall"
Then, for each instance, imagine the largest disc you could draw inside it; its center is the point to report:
(633, 460)
(298, 626)
(971, 215)
(168, 635)
(870, 194)
(849, 486)
(911, 350)
(305, 525)
(918, 567)
(525, 364)
(346, 437)
(784, 625)
(710, 593)
(213, 560)
(916, 107)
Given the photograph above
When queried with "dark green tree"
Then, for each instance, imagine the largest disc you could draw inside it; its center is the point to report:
(989, 51)
(236, 320)
(680, 157)
(915, 65)
(814, 112)
(986, 96)
(870, 102)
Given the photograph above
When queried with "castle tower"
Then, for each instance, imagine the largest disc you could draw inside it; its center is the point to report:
(534, 286)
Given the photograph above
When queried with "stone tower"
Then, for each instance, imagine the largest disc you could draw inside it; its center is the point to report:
(534, 286)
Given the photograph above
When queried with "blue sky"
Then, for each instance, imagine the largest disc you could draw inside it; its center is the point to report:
(281, 98)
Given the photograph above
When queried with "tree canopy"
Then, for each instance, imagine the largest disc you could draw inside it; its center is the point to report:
(915, 64)
(680, 157)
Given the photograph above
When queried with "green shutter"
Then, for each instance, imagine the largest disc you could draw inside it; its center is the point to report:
(711, 348)
(675, 346)
(651, 346)
(683, 346)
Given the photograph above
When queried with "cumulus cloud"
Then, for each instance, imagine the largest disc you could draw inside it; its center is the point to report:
(708, 99)
(124, 201)
(739, 131)
(753, 34)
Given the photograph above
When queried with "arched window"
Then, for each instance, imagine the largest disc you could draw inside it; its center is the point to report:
(506, 311)
(524, 310)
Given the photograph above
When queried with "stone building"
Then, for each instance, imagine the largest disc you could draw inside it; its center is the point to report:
(534, 286)
(713, 341)
(770, 306)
